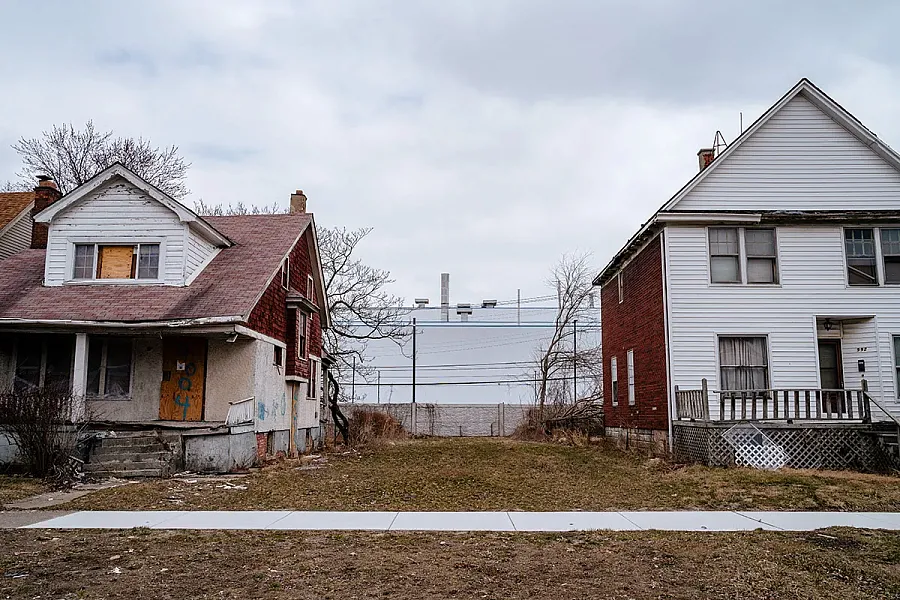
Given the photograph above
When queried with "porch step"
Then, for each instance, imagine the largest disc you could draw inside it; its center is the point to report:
(154, 467)
(129, 453)
(148, 445)
(136, 440)
(129, 473)
(134, 454)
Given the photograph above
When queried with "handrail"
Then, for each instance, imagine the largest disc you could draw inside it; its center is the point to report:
(881, 406)
(240, 411)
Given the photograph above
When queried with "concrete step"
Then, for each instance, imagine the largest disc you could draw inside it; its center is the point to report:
(126, 464)
(129, 473)
(115, 442)
(149, 446)
(127, 454)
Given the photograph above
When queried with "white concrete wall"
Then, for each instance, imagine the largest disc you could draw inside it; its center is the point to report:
(799, 160)
(17, 236)
(146, 380)
(229, 375)
(812, 282)
(272, 393)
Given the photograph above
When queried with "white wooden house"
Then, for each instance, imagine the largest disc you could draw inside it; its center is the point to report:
(776, 274)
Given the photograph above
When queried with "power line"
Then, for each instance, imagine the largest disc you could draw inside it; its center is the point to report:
(498, 382)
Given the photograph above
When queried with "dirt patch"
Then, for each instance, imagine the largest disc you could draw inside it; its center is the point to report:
(15, 487)
(142, 564)
(498, 475)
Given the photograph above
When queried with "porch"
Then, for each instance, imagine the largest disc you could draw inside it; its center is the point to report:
(795, 428)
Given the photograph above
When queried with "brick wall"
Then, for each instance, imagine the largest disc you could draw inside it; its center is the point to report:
(637, 323)
(271, 316)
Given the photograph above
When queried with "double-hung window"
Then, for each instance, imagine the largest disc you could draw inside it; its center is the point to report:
(742, 255)
(614, 378)
(315, 375)
(109, 367)
(890, 249)
(629, 363)
(301, 334)
(106, 261)
(859, 245)
(743, 363)
(897, 362)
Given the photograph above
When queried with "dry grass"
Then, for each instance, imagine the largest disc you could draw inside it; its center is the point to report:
(500, 474)
(14, 487)
(144, 564)
(368, 427)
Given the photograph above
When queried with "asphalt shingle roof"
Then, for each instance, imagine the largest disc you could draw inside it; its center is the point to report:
(12, 204)
(229, 286)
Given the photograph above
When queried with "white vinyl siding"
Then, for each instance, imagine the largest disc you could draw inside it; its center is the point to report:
(799, 160)
(198, 252)
(614, 379)
(629, 363)
(813, 281)
(18, 235)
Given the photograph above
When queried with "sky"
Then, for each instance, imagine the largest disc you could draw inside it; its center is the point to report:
(483, 138)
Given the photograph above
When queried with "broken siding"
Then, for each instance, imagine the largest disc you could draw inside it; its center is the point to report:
(799, 160)
(813, 282)
(197, 252)
(18, 236)
(116, 213)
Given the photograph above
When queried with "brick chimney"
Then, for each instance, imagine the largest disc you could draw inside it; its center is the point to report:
(45, 193)
(298, 202)
(707, 155)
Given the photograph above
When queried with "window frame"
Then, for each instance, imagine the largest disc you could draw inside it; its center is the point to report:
(310, 289)
(881, 262)
(13, 365)
(743, 258)
(136, 243)
(314, 379)
(614, 380)
(876, 242)
(620, 284)
(101, 387)
(286, 273)
(896, 363)
(302, 335)
(765, 336)
(278, 356)
(629, 373)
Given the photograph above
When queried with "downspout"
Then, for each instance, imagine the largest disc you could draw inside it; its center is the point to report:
(667, 321)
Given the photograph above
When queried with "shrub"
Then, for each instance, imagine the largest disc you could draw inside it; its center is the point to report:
(40, 422)
(369, 426)
(571, 423)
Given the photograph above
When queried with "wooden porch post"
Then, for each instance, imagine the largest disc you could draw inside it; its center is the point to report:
(704, 391)
(79, 377)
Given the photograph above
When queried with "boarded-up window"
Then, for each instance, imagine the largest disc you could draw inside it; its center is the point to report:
(115, 262)
(109, 367)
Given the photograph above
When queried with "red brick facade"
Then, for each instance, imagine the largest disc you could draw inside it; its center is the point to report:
(638, 324)
(271, 316)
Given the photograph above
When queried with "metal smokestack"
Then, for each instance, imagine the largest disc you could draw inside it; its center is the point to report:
(445, 297)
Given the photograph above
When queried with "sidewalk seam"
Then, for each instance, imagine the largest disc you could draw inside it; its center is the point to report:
(622, 514)
(396, 514)
(511, 522)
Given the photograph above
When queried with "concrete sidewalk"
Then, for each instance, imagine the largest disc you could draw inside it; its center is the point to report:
(453, 521)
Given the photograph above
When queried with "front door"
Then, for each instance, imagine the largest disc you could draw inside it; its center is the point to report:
(831, 376)
(183, 379)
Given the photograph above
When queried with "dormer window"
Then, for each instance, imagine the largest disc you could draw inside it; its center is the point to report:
(101, 261)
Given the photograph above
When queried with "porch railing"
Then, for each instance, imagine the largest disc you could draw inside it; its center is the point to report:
(692, 404)
(794, 404)
(240, 412)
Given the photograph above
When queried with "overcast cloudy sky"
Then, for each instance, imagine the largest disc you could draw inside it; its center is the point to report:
(484, 137)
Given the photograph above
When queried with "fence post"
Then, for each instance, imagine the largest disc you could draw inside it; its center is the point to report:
(704, 391)
(502, 419)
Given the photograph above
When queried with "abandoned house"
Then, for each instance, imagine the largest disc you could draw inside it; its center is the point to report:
(754, 318)
(188, 342)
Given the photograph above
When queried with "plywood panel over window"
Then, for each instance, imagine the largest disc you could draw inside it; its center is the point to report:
(115, 262)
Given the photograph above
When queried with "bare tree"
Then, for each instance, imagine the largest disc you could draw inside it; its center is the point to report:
(559, 357)
(221, 210)
(72, 156)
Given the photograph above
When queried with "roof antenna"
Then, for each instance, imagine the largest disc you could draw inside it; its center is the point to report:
(742, 121)
(719, 143)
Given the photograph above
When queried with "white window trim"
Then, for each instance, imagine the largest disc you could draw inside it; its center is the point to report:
(286, 273)
(101, 396)
(620, 284)
(70, 260)
(879, 256)
(315, 363)
(305, 355)
(310, 289)
(769, 373)
(629, 367)
(742, 259)
(614, 380)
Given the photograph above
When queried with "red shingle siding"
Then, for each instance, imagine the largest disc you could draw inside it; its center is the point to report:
(637, 323)
(271, 316)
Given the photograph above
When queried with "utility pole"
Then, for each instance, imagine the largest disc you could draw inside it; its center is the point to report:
(379, 386)
(575, 360)
(353, 382)
(414, 363)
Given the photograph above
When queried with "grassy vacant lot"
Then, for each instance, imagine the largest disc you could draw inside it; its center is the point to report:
(138, 564)
(499, 474)
(13, 487)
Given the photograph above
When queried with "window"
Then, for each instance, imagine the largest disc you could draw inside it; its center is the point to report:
(286, 273)
(310, 289)
(629, 364)
(314, 377)
(84, 261)
(724, 255)
(860, 248)
(742, 255)
(301, 334)
(279, 356)
(614, 377)
(743, 363)
(890, 250)
(97, 261)
(761, 256)
(109, 367)
(620, 283)
(44, 361)
(897, 361)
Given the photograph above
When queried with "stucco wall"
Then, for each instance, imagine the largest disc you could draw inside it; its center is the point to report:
(147, 377)
(229, 375)
(273, 409)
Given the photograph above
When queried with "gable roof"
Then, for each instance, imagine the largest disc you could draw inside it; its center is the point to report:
(117, 169)
(670, 211)
(225, 291)
(12, 205)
